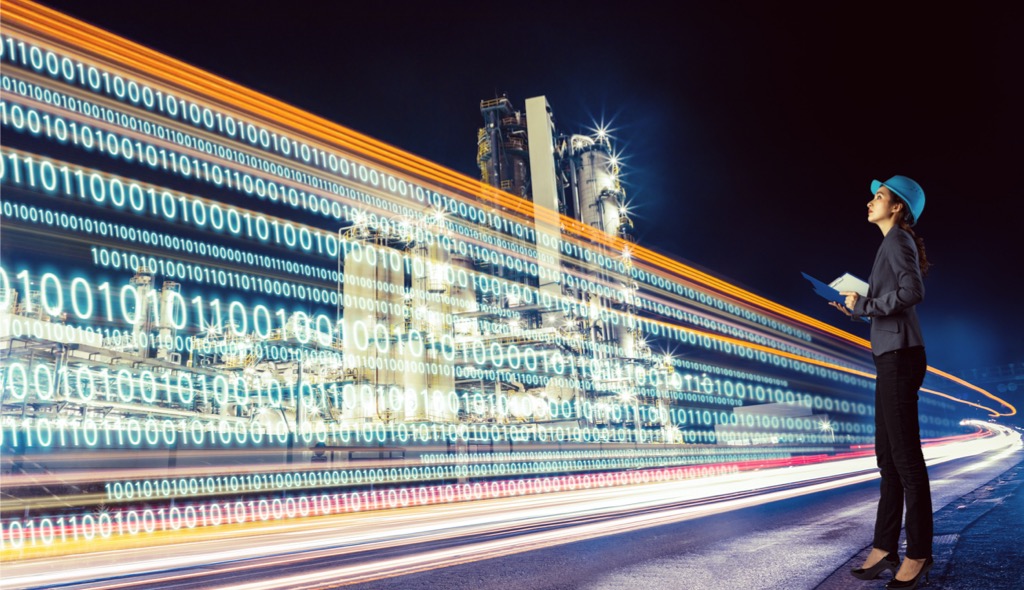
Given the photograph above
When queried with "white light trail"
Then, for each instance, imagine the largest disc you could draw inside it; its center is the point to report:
(525, 523)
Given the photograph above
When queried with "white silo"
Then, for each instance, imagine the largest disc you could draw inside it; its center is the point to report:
(373, 286)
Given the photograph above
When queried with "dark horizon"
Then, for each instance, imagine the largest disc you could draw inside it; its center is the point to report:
(750, 136)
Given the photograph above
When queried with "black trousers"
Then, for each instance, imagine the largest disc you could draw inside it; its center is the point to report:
(899, 455)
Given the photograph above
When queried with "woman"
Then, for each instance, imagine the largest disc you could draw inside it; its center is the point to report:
(894, 288)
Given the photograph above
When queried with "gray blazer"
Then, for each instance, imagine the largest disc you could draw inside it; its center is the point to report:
(894, 288)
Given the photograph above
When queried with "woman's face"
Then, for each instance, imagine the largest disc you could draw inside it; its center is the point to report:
(883, 206)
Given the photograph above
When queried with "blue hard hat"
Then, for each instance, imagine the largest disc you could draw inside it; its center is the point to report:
(906, 189)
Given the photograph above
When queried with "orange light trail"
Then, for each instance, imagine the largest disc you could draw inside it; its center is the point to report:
(124, 53)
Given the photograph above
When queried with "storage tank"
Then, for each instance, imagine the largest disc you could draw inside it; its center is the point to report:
(171, 306)
(373, 293)
(431, 319)
(463, 295)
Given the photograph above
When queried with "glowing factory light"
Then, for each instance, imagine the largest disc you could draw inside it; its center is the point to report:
(671, 433)
(362, 220)
(439, 217)
(826, 426)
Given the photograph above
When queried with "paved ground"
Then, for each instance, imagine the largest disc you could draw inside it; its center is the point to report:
(979, 540)
(989, 552)
(803, 543)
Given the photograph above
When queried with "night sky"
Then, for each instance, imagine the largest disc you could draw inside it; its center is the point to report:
(750, 133)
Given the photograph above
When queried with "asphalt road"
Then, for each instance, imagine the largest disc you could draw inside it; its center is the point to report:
(791, 544)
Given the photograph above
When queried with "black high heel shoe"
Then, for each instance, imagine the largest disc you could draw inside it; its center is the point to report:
(912, 583)
(889, 562)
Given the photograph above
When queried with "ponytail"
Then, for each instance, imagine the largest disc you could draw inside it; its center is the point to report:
(922, 257)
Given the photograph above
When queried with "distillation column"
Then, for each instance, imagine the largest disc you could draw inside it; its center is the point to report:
(374, 283)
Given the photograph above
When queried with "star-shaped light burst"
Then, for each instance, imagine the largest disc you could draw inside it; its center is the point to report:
(826, 426)
(438, 217)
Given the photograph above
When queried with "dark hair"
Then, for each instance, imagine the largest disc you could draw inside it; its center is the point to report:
(904, 222)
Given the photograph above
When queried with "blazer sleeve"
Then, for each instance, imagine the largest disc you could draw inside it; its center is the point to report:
(901, 291)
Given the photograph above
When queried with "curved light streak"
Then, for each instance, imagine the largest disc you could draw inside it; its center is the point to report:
(124, 53)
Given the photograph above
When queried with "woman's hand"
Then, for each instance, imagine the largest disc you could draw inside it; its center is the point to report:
(840, 308)
(851, 299)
